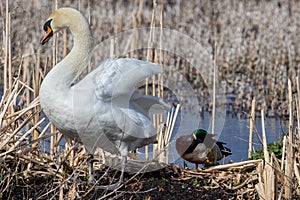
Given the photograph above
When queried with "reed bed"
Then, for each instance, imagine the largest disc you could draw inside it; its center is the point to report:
(253, 43)
(255, 53)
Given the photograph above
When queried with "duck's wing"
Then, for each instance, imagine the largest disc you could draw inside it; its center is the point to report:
(199, 154)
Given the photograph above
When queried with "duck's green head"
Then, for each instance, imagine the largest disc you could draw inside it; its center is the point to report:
(200, 134)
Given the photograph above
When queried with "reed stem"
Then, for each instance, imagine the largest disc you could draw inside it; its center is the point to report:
(289, 152)
(252, 121)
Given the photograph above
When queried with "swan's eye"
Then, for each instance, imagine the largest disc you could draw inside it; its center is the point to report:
(47, 25)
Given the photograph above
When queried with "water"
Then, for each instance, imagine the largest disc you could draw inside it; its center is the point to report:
(236, 134)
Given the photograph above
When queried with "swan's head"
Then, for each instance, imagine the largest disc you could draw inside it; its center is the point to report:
(61, 19)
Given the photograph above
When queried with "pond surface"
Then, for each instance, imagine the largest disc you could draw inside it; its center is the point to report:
(236, 134)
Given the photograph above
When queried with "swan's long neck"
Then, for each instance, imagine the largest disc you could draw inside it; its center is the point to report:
(63, 74)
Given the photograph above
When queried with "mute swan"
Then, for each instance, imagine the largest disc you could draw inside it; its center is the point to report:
(102, 109)
(196, 148)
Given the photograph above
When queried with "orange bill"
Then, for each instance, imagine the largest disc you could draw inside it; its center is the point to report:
(47, 36)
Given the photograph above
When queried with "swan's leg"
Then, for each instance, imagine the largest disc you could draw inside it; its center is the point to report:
(117, 184)
(90, 161)
(184, 165)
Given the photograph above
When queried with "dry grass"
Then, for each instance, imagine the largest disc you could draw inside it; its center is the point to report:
(254, 43)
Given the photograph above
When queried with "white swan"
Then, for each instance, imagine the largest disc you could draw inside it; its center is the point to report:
(102, 109)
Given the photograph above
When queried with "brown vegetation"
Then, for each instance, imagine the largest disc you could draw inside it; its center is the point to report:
(254, 43)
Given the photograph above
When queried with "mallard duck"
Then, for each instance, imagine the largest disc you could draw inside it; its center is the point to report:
(102, 109)
(200, 147)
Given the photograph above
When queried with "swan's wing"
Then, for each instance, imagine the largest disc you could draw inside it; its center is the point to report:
(134, 118)
(149, 104)
(118, 77)
(133, 121)
(114, 81)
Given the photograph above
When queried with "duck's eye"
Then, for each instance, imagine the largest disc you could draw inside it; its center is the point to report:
(47, 25)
